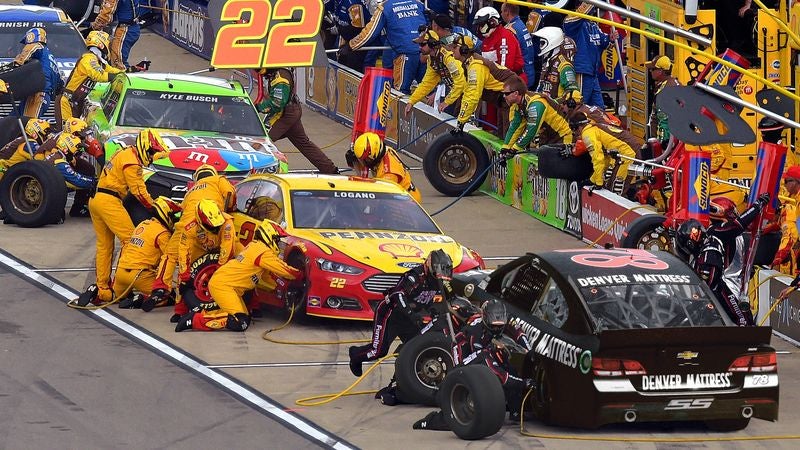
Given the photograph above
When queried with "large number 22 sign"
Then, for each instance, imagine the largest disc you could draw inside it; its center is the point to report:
(242, 45)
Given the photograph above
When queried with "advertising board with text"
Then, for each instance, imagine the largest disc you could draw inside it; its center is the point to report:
(605, 215)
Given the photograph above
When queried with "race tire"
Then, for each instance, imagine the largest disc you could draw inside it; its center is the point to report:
(648, 233)
(552, 165)
(768, 245)
(540, 398)
(727, 424)
(135, 209)
(9, 130)
(422, 366)
(200, 272)
(297, 293)
(472, 402)
(22, 81)
(33, 194)
(453, 163)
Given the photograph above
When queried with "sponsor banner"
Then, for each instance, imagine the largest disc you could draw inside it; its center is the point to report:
(333, 91)
(421, 119)
(187, 25)
(785, 318)
(573, 223)
(599, 212)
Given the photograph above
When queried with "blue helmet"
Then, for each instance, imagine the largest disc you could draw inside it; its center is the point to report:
(34, 35)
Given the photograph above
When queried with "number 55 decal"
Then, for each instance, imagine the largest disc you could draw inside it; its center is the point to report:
(689, 403)
(241, 44)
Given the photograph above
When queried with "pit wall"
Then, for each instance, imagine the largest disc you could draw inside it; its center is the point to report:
(333, 91)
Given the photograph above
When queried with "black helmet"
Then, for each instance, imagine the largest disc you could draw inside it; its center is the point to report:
(462, 309)
(494, 316)
(439, 264)
(771, 130)
(689, 238)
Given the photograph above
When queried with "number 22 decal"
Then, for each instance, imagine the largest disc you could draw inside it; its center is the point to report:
(231, 52)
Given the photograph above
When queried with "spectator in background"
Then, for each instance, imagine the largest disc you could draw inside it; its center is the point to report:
(527, 45)
(438, 6)
(499, 44)
(786, 257)
(660, 69)
(443, 26)
(590, 42)
(401, 20)
(351, 16)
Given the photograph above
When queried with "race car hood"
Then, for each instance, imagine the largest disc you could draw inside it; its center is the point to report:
(189, 150)
(399, 251)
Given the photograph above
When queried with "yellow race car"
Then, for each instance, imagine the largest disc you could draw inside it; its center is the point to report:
(354, 237)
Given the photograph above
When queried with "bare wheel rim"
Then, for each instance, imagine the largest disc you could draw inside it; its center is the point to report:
(462, 405)
(654, 240)
(457, 164)
(27, 194)
(431, 366)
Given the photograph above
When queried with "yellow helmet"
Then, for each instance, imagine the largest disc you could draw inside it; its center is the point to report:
(99, 39)
(464, 43)
(148, 143)
(75, 126)
(369, 148)
(205, 170)
(68, 144)
(209, 215)
(37, 129)
(166, 211)
(268, 234)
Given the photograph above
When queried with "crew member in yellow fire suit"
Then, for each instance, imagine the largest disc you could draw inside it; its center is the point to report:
(36, 132)
(237, 276)
(442, 68)
(138, 259)
(600, 141)
(121, 175)
(91, 68)
(370, 156)
(529, 112)
(210, 185)
(210, 231)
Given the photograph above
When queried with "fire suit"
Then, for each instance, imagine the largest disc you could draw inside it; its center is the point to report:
(474, 346)
(91, 68)
(122, 174)
(558, 73)
(529, 51)
(351, 17)
(502, 47)
(283, 114)
(600, 140)
(396, 314)
(36, 104)
(658, 122)
(67, 166)
(442, 67)
(215, 188)
(716, 254)
(785, 259)
(590, 42)
(485, 81)
(18, 154)
(534, 112)
(126, 33)
(140, 256)
(392, 168)
(401, 20)
(229, 283)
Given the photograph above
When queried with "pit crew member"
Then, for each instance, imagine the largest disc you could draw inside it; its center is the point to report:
(500, 45)
(126, 33)
(558, 77)
(37, 131)
(442, 67)
(370, 156)
(660, 69)
(35, 41)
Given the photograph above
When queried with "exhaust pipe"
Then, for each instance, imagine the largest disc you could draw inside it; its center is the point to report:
(630, 415)
(747, 412)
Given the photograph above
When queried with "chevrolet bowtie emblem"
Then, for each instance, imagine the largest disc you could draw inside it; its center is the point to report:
(687, 355)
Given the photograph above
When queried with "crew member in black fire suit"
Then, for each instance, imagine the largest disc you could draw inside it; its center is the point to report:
(478, 343)
(397, 315)
(710, 251)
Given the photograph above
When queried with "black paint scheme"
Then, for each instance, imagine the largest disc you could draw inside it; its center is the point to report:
(630, 336)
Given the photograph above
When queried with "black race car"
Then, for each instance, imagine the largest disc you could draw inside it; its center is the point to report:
(621, 336)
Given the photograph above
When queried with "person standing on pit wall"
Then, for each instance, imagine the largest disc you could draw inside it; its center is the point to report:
(442, 67)
(558, 79)
(529, 112)
(660, 69)
(237, 276)
(36, 104)
(529, 48)
(785, 259)
(283, 116)
(90, 69)
(370, 153)
(126, 33)
(401, 20)
(122, 174)
(590, 42)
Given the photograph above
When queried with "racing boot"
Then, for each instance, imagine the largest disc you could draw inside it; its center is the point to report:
(433, 421)
(355, 361)
(185, 322)
(132, 301)
(158, 298)
(88, 296)
(237, 322)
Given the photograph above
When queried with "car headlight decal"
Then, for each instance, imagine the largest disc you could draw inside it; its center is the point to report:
(336, 267)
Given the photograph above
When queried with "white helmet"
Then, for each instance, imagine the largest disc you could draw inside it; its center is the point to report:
(550, 38)
(482, 20)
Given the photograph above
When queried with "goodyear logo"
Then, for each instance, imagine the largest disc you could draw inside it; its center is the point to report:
(701, 185)
(383, 103)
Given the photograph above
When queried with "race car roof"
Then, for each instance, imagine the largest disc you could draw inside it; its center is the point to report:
(176, 82)
(301, 181)
(590, 262)
(20, 13)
